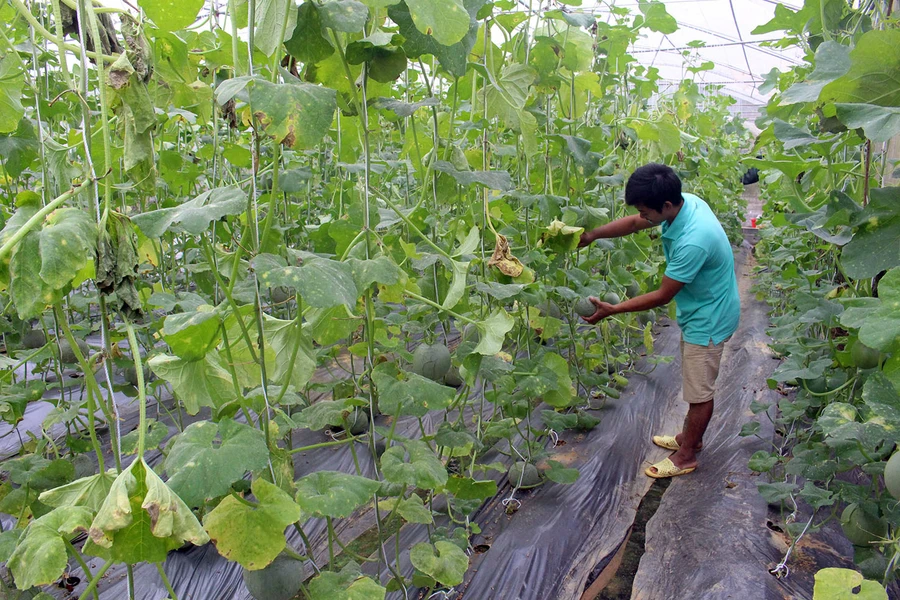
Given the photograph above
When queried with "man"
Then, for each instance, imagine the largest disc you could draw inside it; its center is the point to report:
(700, 277)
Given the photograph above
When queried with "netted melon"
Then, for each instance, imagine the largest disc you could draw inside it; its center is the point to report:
(67, 355)
(860, 527)
(523, 474)
(34, 339)
(584, 307)
(549, 308)
(431, 361)
(281, 580)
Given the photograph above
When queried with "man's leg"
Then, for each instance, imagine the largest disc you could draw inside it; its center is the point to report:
(695, 425)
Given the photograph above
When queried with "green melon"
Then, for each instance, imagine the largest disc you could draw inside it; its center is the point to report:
(130, 374)
(584, 307)
(453, 378)
(611, 298)
(864, 357)
(358, 422)
(549, 308)
(527, 472)
(633, 289)
(34, 339)
(431, 361)
(817, 386)
(67, 355)
(279, 294)
(860, 527)
(281, 580)
(648, 316)
(892, 475)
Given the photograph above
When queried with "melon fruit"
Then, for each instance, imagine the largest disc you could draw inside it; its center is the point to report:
(130, 374)
(34, 339)
(453, 377)
(358, 422)
(611, 298)
(431, 361)
(67, 355)
(892, 475)
(648, 316)
(526, 472)
(279, 294)
(864, 357)
(633, 289)
(860, 527)
(281, 580)
(584, 307)
(549, 308)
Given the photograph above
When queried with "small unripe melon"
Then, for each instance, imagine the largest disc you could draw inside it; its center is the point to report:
(892, 475)
(549, 308)
(648, 316)
(526, 472)
(611, 298)
(453, 377)
(280, 580)
(431, 361)
(863, 356)
(67, 355)
(633, 289)
(860, 527)
(279, 294)
(34, 339)
(584, 307)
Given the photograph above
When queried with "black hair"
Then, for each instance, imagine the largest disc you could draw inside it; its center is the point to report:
(652, 186)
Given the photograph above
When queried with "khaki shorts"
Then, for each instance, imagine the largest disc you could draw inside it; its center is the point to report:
(699, 370)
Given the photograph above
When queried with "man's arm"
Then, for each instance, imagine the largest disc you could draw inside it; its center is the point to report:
(659, 297)
(618, 228)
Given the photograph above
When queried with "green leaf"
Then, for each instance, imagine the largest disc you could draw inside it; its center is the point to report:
(252, 535)
(28, 291)
(443, 562)
(773, 493)
(447, 21)
(270, 20)
(171, 15)
(453, 58)
(404, 393)
(12, 80)
(18, 150)
(493, 332)
(8, 541)
(307, 44)
(882, 398)
(348, 584)
(466, 488)
(876, 245)
(457, 284)
(496, 180)
(376, 270)
(323, 413)
(832, 61)
(295, 114)
(880, 123)
(322, 283)
(657, 18)
(334, 494)
(191, 335)
(883, 327)
(762, 461)
(204, 382)
(792, 137)
(348, 16)
(841, 584)
(413, 510)
(872, 77)
(560, 474)
(68, 242)
(89, 492)
(404, 109)
(281, 338)
(423, 468)
(141, 519)
(194, 216)
(40, 555)
(200, 466)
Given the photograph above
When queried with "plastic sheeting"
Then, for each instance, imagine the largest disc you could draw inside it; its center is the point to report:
(709, 533)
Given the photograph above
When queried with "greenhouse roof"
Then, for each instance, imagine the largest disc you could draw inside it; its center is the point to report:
(725, 28)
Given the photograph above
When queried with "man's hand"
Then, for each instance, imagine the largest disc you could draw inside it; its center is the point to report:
(604, 309)
(587, 239)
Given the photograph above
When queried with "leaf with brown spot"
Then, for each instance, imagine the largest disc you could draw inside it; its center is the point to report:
(293, 113)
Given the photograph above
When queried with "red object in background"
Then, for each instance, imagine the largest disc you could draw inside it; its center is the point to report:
(753, 222)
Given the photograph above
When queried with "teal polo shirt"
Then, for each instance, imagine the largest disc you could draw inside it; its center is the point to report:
(699, 255)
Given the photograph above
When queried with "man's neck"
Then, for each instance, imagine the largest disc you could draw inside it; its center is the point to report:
(675, 211)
